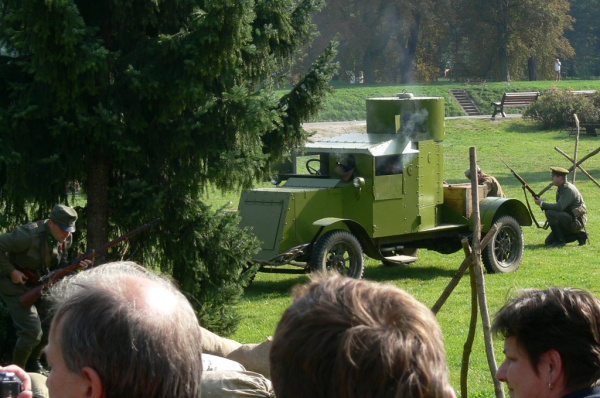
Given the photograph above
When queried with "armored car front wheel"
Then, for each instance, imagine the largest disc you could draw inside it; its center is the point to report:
(504, 253)
(338, 250)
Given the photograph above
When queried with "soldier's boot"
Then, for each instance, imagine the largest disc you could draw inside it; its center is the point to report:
(559, 240)
(582, 237)
(34, 365)
(549, 239)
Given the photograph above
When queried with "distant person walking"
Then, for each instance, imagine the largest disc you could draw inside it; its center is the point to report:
(557, 65)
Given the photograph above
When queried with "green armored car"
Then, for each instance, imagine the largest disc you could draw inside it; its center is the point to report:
(381, 194)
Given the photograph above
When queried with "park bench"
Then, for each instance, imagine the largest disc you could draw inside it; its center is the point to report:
(585, 93)
(514, 100)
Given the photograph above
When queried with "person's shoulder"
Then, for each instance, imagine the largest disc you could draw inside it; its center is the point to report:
(29, 229)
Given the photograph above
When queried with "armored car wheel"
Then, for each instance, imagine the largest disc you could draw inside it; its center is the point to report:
(338, 250)
(504, 253)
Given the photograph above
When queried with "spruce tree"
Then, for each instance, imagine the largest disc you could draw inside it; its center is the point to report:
(144, 105)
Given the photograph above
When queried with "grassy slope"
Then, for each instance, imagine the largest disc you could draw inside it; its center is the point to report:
(530, 152)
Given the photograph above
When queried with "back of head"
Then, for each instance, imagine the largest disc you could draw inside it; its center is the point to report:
(564, 319)
(344, 337)
(133, 327)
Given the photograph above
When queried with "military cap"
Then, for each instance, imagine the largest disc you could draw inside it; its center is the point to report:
(65, 217)
(468, 172)
(559, 171)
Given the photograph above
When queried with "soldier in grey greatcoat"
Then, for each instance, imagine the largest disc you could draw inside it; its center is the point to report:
(566, 217)
(30, 249)
(492, 185)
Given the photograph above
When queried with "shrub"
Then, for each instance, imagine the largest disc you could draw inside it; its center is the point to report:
(555, 109)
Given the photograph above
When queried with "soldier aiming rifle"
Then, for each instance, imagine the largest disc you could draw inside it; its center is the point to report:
(32, 258)
(33, 248)
(567, 217)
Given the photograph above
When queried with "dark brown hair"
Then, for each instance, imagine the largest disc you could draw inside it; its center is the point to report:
(564, 319)
(350, 338)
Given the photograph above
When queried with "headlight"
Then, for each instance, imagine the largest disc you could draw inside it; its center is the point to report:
(358, 182)
(275, 180)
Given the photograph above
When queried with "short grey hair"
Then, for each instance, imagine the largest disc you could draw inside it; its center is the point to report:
(111, 324)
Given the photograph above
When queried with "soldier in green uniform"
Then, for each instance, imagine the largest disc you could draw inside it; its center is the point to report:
(492, 185)
(566, 217)
(39, 247)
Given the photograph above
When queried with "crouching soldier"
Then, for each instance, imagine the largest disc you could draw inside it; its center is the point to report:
(566, 217)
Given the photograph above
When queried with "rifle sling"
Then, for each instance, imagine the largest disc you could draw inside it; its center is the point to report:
(529, 207)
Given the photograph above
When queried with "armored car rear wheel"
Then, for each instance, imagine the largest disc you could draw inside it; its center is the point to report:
(504, 253)
(338, 250)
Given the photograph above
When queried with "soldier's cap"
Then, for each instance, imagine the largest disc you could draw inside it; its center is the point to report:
(65, 217)
(468, 172)
(559, 171)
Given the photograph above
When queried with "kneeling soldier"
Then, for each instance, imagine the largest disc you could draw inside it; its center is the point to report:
(566, 217)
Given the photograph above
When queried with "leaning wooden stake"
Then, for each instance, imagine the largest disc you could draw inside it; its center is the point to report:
(467, 262)
(584, 171)
(578, 164)
(468, 346)
(483, 308)
(576, 148)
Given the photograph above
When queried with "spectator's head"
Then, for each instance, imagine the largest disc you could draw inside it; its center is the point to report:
(344, 337)
(552, 342)
(120, 330)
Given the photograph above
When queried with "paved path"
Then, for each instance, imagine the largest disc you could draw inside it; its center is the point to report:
(322, 130)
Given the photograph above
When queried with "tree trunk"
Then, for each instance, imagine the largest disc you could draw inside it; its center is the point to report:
(97, 203)
(532, 68)
(408, 56)
(503, 64)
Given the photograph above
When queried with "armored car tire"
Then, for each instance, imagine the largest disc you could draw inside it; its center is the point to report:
(338, 250)
(504, 253)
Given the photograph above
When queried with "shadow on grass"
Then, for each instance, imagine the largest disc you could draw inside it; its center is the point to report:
(517, 126)
(279, 286)
(412, 271)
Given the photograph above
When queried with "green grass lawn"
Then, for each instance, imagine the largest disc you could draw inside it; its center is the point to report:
(348, 101)
(530, 151)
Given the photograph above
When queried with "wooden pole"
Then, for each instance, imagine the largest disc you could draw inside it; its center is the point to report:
(576, 148)
(483, 308)
(467, 262)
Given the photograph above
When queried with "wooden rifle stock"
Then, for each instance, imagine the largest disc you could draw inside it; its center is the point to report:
(32, 295)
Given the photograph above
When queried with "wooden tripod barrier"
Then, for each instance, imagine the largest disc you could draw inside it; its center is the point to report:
(584, 171)
(478, 295)
(577, 164)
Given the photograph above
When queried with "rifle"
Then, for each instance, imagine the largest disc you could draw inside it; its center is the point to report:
(46, 281)
(522, 181)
